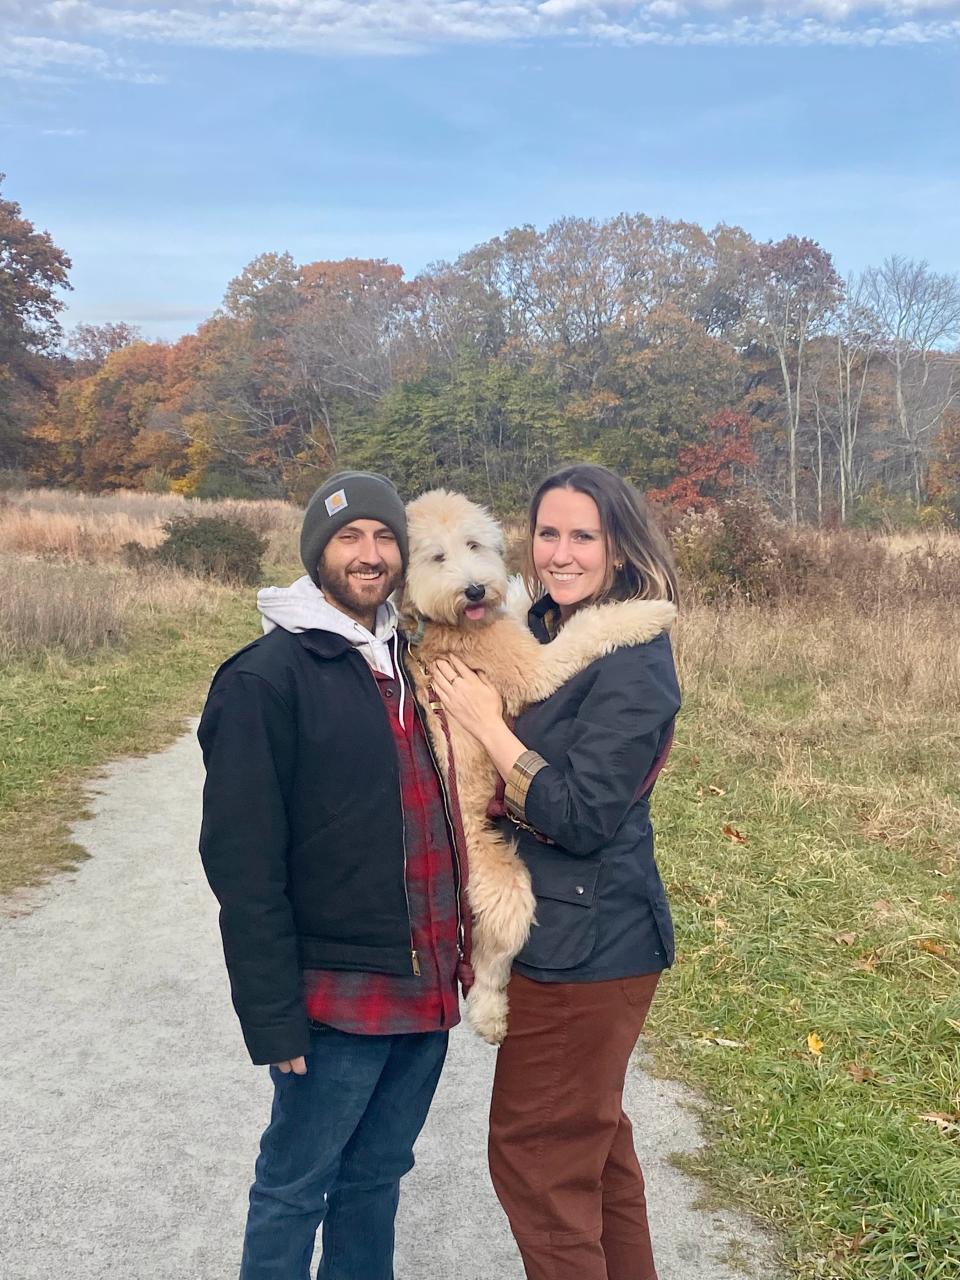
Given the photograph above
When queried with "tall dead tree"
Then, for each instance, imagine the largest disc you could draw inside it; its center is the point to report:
(795, 291)
(918, 311)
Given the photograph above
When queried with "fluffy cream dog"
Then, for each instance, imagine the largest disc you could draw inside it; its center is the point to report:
(454, 602)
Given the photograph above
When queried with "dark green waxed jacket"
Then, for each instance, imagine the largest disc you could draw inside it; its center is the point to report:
(602, 910)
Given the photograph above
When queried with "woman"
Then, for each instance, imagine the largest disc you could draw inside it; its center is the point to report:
(578, 770)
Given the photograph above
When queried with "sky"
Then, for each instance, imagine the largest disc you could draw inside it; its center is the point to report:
(164, 146)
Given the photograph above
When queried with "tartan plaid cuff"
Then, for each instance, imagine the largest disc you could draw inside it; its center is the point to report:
(527, 767)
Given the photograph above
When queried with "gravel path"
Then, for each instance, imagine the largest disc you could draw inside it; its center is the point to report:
(129, 1113)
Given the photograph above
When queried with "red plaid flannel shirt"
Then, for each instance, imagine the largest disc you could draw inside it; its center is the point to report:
(388, 1004)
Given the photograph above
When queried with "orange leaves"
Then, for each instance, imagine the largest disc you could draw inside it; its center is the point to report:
(815, 1044)
(845, 939)
(733, 835)
(930, 947)
(706, 471)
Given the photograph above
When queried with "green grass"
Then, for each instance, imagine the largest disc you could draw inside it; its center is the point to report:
(838, 918)
(59, 719)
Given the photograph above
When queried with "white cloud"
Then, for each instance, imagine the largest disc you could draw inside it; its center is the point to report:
(63, 38)
(28, 57)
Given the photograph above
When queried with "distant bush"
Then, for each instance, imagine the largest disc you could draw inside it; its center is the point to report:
(11, 478)
(207, 546)
(738, 550)
(726, 551)
(884, 512)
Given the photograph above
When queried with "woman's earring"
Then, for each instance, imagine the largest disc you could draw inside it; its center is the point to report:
(618, 565)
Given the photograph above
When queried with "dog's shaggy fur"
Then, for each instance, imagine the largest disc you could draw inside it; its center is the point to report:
(456, 545)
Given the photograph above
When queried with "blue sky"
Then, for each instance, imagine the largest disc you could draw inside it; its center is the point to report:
(165, 146)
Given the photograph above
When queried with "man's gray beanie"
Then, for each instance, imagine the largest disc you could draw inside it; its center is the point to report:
(347, 496)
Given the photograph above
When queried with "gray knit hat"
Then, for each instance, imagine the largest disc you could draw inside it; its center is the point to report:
(347, 496)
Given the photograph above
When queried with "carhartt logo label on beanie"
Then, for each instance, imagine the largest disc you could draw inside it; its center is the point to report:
(343, 498)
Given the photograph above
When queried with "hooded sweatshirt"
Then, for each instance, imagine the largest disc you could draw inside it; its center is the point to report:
(303, 607)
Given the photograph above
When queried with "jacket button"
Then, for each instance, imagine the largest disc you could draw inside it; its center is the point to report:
(579, 888)
(388, 692)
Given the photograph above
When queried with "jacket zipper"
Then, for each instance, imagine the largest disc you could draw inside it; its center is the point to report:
(449, 821)
(414, 958)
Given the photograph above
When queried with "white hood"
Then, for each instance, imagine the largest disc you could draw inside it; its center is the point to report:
(303, 607)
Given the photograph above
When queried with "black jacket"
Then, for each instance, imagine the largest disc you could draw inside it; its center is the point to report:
(302, 836)
(602, 911)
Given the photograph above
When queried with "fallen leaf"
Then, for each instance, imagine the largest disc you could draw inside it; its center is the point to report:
(724, 1043)
(859, 1074)
(733, 834)
(814, 1044)
(932, 948)
(941, 897)
(867, 963)
(847, 939)
(717, 791)
(694, 760)
(946, 1124)
(882, 907)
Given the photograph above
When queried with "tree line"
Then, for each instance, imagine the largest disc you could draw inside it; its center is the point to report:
(696, 362)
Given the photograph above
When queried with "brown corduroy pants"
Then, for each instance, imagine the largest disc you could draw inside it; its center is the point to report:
(561, 1148)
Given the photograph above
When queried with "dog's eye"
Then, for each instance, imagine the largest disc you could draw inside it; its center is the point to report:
(439, 558)
(473, 546)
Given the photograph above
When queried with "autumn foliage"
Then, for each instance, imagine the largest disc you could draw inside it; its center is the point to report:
(707, 472)
(697, 363)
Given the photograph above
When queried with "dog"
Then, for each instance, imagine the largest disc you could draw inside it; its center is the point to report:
(454, 601)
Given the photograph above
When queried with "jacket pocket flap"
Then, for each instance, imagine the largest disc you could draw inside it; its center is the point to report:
(565, 878)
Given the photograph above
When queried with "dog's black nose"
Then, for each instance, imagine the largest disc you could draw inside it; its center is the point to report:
(475, 592)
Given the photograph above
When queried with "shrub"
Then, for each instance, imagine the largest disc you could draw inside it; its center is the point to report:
(12, 478)
(739, 551)
(207, 546)
(728, 550)
(889, 512)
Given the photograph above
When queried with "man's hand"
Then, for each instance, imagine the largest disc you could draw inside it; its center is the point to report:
(297, 1065)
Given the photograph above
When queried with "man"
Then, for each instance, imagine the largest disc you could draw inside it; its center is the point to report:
(326, 840)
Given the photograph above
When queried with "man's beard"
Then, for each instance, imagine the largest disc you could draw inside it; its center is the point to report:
(355, 596)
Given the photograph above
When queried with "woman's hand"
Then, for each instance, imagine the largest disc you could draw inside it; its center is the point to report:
(468, 696)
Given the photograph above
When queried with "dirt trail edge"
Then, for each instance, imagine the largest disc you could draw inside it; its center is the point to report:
(129, 1113)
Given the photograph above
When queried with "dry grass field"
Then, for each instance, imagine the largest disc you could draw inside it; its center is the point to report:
(809, 829)
(100, 659)
(77, 528)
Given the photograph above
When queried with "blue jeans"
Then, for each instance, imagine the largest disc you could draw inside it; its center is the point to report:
(340, 1139)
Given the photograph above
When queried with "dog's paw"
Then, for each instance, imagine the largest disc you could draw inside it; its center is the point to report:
(487, 1014)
